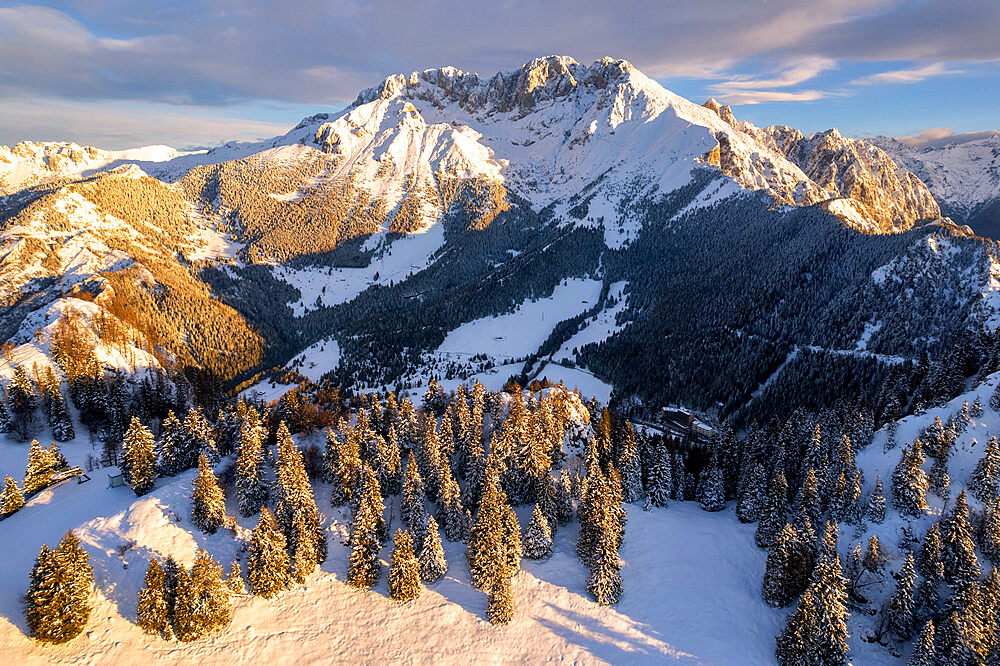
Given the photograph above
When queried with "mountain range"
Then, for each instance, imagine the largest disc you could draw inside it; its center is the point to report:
(559, 220)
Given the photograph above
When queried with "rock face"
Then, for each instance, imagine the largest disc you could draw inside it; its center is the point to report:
(891, 198)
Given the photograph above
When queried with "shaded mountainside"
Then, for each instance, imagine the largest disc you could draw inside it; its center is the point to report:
(679, 254)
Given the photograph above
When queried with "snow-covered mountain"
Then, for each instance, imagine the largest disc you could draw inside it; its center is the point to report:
(963, 174)
(441, 200)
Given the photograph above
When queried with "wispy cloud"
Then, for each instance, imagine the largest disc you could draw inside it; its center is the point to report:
(793, 75)
(761, 96)
(913, 75)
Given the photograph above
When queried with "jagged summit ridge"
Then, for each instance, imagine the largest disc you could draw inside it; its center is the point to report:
(541, 79)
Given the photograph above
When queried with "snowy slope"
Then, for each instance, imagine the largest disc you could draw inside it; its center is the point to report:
(686, 573)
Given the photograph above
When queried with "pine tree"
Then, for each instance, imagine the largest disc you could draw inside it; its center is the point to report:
(752, 497)
(404, 572)
(41, 464)
(295, 500)
(807, 500)
(564, 499)
(630, 467)
(251, 488)
(168, 449)
(208, 512)
(902, 606)
(6, 424)
(958, 555)
(959, 637)
(11, 500)
(487, 552)
(456, 518)
(267, 567)
(57, 604)
(876, 504)
(711, 490)
(234, 581)
(138, 458)
(985, 481)
(605, 581)
(433, 565)
(875, 555)
(772, 519)
(929, 558)
(909, 482)
(304, 557)
(412, 509)
(923, 648)
(202, 603)
(500, 609)
(660, 479)
(59, 418)
(784, 577)
(364, 568)
(537, 540)
(152, 615)
(816, 633)
(989, 532)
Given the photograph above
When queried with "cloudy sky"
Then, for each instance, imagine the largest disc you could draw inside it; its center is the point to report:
(120, 73)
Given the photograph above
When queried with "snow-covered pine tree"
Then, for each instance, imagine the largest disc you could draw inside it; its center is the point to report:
(660, 480)
(487, 551)
(234, 581)
(152, 614)
(537, 539)
(909, 482)
(500, 608)
(807, 500)
(57, 603)
(958, 553)
(959, 638)
(303, 555)
(196, 437)
(902, 605)
(294, 497)
(995, 399)
(138, 458)
(772, 518)
(630, 467)
(752, 496)
(59, 418)
(985, 481)
(208, 510)
(169, 447)
(784, 577)
(876, 504)
(11, 499)
(267, 566)
(41, 464)
(976, 410)
(364, 568)
(923, 647)
(711, 490)
(404, 572)
(251, 487)
(989, 533)
(875, 555)
(816, 633)
(605, 581)
(564, 498)
(433, 565)
(929, 558)
(411, 507)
